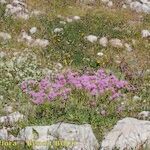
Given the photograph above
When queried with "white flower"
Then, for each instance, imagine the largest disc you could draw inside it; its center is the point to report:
(100, 54)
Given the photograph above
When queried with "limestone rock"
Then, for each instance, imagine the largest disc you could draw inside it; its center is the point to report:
(117, 43)
(5, 36)
(77, 137)
(145, 33)
(91, 38)
(140, 6)
(129, 133)
(58, 30)
(3, 2)
(103, 41)
(3, 134)
(33, 30)
(11, 118)
(144, 115)
(17, 9)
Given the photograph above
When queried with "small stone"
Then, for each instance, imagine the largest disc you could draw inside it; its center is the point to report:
(2, 54)
(69, 20)
(3, 2)
(33, 30)
(117, 43)
(12, 118)
(110, 4)
(145, 33)
(36, 13)
(76, 18)
(136, 98)
(103, 41)
(8, 109)
(62, 22)
(144, 115)
(128, 47)
(58, 30)
(124, 6)
(3, 134)
(5, 36)
(91, 38)
(40, 42)
(104, 1)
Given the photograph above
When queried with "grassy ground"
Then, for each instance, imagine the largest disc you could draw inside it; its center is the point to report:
(73, 51)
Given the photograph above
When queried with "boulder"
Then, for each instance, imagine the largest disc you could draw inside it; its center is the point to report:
(128, 133)
(74, 137)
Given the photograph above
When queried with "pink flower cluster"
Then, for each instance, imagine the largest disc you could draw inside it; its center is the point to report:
(63, 84)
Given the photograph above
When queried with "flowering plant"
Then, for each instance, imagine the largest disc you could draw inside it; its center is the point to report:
(95, 84)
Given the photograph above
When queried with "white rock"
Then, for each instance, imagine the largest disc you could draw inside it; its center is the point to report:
(62, 22)
(145, 33)
(110, 4)
(145, 2)
(24, 37)
(69, 20)
(128, 1)
(81, 135)
(100, 54)
(128, 47)
(17, 9)
(136, 98)
(76, 18)
(2, 54)
(8, 109)
(5, 36)
(33, 30)
(140, 7)
(40, 42)
(144, 114)
(146, 8)
(137, 6)
(104, 1)
(3, 134)
(58, 30)
(12, 118)
(3, 2)
(117, 43)
(36, 13)
(103, 41)
(124, 6)
(129, 133)
(91, 38)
